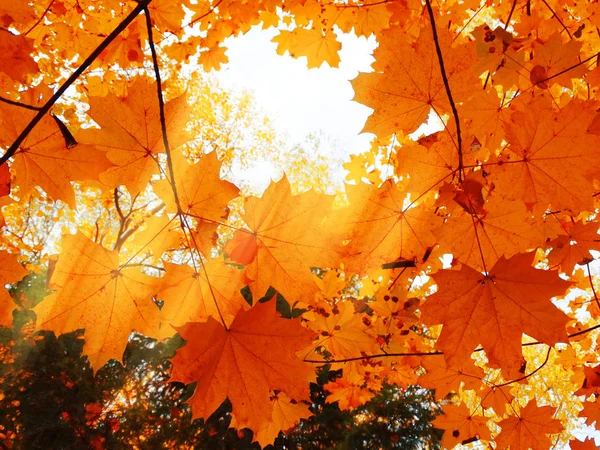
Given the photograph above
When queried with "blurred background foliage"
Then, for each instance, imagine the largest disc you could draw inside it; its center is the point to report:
(51, 399)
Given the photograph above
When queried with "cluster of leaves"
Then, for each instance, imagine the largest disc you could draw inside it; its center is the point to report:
(98, 141)
(52, 399)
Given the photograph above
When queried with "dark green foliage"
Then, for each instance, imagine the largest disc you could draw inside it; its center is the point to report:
(50, 399)
(394, 419)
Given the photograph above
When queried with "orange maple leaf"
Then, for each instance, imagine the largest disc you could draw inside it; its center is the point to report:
(131, 133)
(286, 413)
(529, 429)
(243, 363)
(201, 191)
(497, 229)
(318, 46)
(195, 294)
(589, 444)
(445, 379)
(494, 310)
(460, 426)
(574, 247)
(349, 391)
(286, 238)
(93, 292)
(43, 159)
(552, 157)
(407, 82)
(382, 229)
(15, 56)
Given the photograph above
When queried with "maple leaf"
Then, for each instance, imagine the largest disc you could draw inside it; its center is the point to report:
(551, 159)
(407, 82)
(43, 159)
(591, 411)
(445, 380)
(427, 166)
(159, 235)
(286, 413)
(93, 292)
(588, 444)
(591, 383)
(496, 397)
(193, 294)
(460, 426)
(201, 191)
(317, 46)
(243, 363)
(529, 429)
(382, 229)
(349, 391)
(342, 332)
(15, 56)
(12, 11)
(131, 134)
(494, 310)
(573, 248)
(286, 238)
(480, 238)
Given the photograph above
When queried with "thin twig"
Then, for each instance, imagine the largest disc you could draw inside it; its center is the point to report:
(437, 353)
(557, 18)
(592, 284)
(74, 76)
(163, 124)
(40, 19)
(21, 105)
(574, 66)
(524, 377)
(512, 10)
(161, 106)
(378, 355)
(447, 86)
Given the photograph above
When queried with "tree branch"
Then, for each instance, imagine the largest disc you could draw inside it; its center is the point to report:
(524, 377)
(161, 106)
(74, 76)
(19, 104)
(379, 355)
(163, 124)
(447, 86)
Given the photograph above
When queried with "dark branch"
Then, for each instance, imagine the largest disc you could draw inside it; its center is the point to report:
(574, 66)
(447, 86)
(74, 76)
(19, 104)
(524, 377)
(161, 106)
(163, 124)
(399, 264)
(557, 18)
(512, 10)
(379, 355)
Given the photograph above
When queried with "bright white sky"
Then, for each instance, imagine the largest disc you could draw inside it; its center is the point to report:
(298, 100)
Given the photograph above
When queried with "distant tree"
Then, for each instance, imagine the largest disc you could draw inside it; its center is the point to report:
(51, 399)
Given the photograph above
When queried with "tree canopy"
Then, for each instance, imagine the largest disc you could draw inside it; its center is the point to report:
(461, 259)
